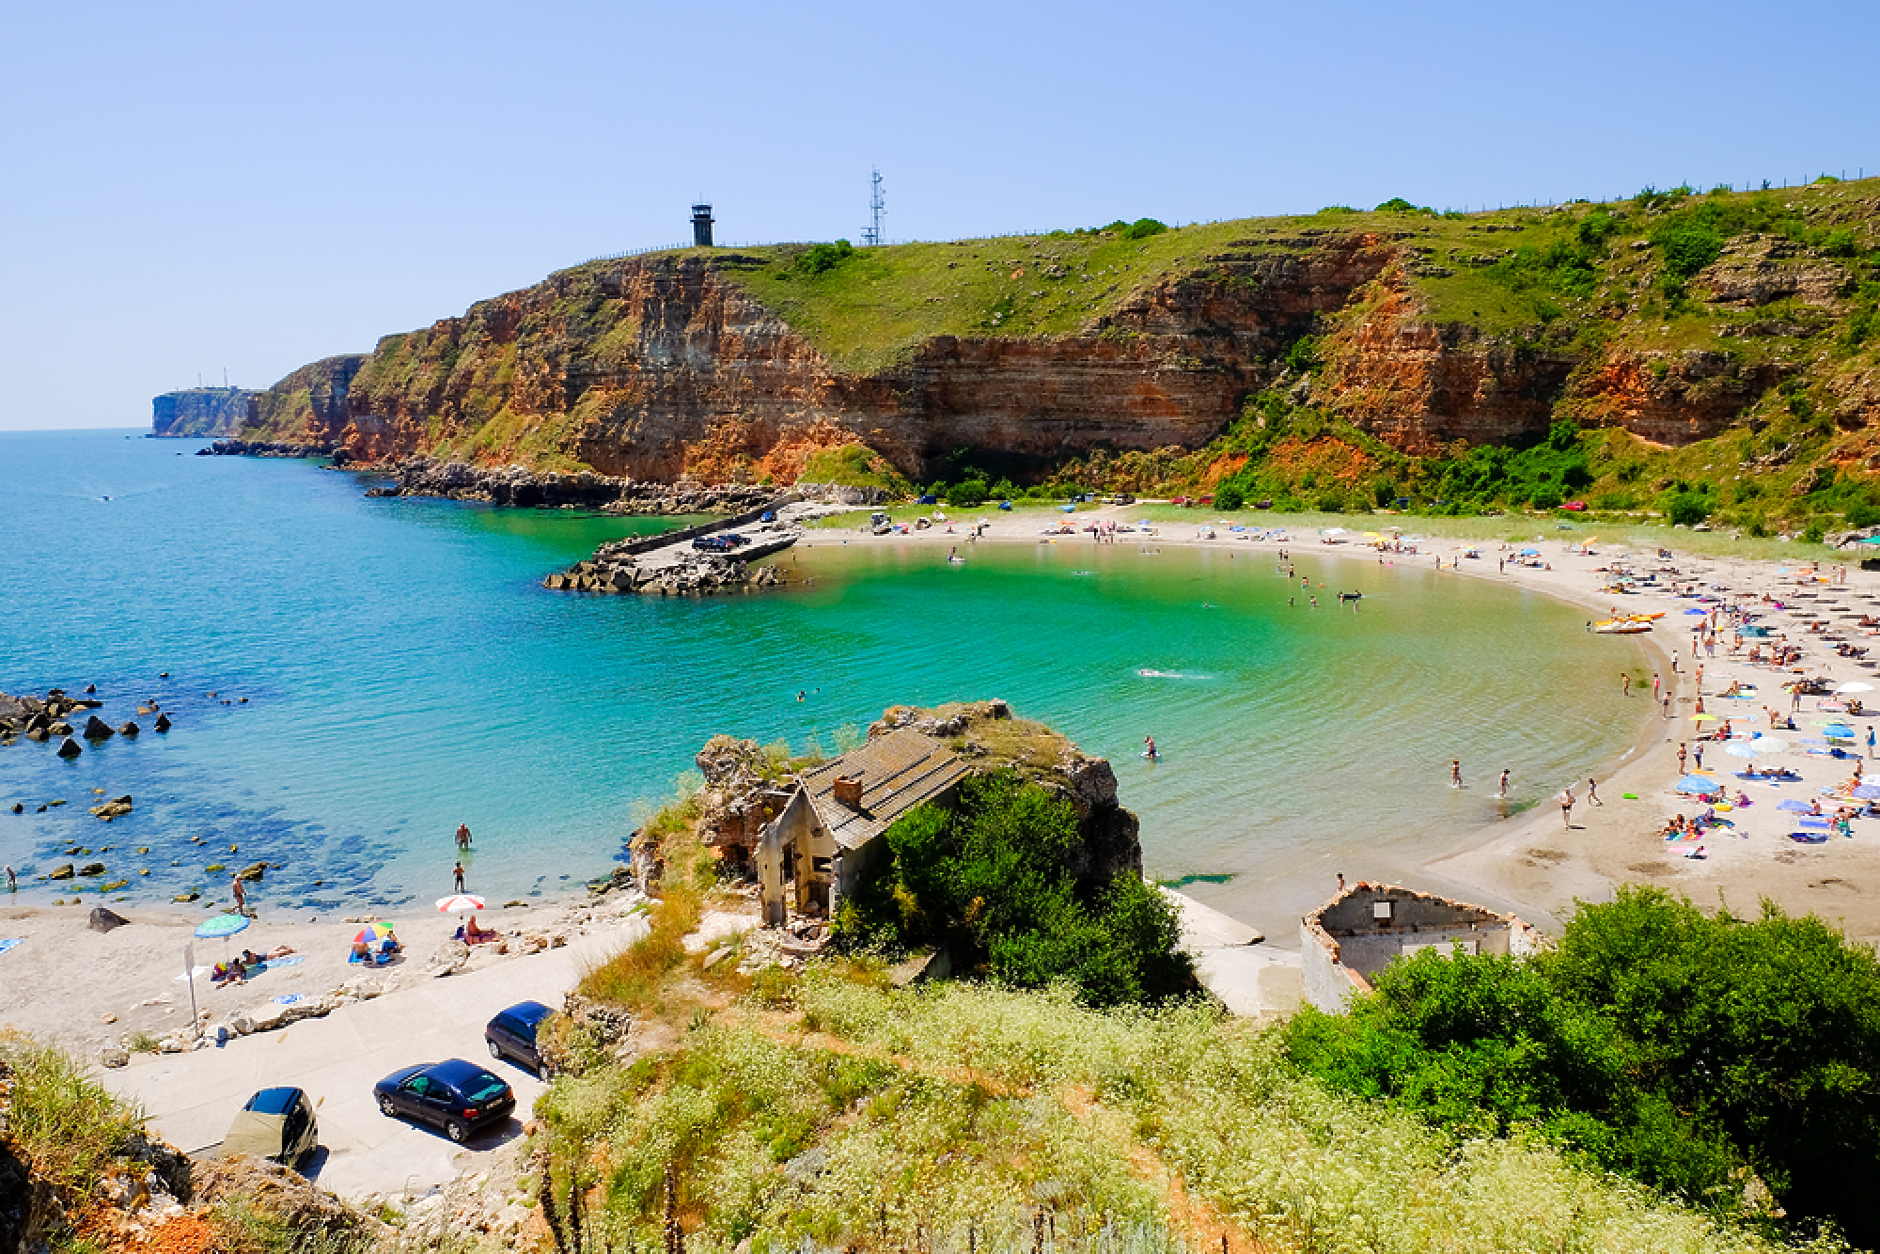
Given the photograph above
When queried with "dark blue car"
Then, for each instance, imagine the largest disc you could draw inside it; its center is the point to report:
(457, 1096)
(511, 1034)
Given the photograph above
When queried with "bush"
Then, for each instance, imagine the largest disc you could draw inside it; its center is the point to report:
(1143, 228)
(1685, 508)
(1303, 356)
(967, 495)
(989, 879)
(1229, 496)
(822, 258)
(1683, 1050)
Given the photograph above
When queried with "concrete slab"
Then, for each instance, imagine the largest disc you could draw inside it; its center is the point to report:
(1253, 980)
(1204, 927)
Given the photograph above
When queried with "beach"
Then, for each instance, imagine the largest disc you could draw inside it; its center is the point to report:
(1534, 863)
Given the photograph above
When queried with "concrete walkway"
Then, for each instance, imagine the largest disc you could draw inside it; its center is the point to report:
(192, 1097)
(1248, 977)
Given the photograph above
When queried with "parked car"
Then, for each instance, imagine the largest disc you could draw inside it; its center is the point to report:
(511, 1034)
(275, 1123)
(1123, 498)
(880, 523)
(457, 1096)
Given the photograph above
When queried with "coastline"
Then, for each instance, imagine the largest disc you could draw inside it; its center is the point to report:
(1531, 863)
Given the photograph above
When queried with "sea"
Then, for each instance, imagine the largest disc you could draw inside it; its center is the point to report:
(350, 678)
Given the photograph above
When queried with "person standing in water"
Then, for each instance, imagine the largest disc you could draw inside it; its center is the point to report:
(463, 835)
(1504, 783)
(1455, 773)
(1150, 752)
(457, 874)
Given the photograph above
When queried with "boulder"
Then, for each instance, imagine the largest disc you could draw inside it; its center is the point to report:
(252, 872)
(19, 807)
(103, 920)
(97, 729)
(163, 723)
(113, 809)
(112, 1056)
(60, 728)
(130, 728)
(68, 748)
(92, 868)
(64, 872)
(38, 736)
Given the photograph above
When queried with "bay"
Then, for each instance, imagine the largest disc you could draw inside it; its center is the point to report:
(403, 671)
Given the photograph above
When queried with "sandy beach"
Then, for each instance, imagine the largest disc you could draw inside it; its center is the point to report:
(92, 991)
(1534, 863)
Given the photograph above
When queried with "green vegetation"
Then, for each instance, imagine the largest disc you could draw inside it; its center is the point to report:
(860, 1116)
(988, 878)
(1734, 1063)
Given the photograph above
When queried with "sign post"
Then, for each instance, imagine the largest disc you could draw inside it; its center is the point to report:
(189, 969)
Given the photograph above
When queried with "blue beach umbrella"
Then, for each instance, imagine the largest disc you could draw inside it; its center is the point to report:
(1867, 792)
(1696, 611)
(1790, 803)
(1698, 784)
(222, 926)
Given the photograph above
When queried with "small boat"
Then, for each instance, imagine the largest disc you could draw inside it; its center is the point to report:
(1620, 627)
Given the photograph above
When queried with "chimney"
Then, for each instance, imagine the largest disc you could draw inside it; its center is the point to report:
(848, 790)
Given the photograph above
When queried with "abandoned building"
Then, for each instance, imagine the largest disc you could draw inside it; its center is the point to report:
(828, 832)
(1358, 933)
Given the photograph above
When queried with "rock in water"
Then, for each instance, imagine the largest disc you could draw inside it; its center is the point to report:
(69, 748)
(130, 728)
(92, 868)
(97, 729)
(103, 920)
(253, 872)
(163, 723)
(113, 809)
(62, 872)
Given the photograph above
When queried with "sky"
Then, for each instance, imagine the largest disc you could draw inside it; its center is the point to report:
(204, 187)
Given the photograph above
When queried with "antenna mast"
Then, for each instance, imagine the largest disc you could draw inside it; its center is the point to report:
(877, 205)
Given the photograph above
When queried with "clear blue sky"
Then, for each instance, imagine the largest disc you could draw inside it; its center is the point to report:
(195, 186)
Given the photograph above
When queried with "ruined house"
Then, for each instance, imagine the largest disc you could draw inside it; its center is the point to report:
(1355, 935)
(828, 832)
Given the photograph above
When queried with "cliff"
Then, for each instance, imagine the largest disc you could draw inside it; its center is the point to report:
(1669, 319)
(202, 413)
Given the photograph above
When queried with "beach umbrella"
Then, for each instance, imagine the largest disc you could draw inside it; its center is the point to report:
(222, 926)
(1838, 731)
(458, 903)
(1866, 792)
(1790, 803)
(1854, 685)
(1741, 749)
(1698, 784)
(372, 934)
(1529, 553)
(1695, 610)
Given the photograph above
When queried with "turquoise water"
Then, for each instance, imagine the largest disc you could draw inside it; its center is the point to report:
(404, 672)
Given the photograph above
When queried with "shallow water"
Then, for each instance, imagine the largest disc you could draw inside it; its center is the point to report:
(405, 672)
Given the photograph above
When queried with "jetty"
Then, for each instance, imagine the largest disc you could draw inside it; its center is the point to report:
(692, 561)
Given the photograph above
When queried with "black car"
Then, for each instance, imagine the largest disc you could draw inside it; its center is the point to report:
(511, 1034)
(455, 1095)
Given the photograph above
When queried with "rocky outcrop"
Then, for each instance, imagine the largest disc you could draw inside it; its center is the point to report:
(521, 486)
(202, 412)
(1668, 398)
(1757, 269)
(265, 448)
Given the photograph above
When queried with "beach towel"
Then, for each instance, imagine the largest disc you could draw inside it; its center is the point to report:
(1817, 825)
(291, 960)
(287, 999)
(1809, 838)
(10, 942)
(199, 973)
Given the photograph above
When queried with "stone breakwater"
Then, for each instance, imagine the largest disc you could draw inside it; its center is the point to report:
(522, 487)
(678, 570)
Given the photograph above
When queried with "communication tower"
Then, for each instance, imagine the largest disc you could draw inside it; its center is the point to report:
(701, 226)
(877, 205)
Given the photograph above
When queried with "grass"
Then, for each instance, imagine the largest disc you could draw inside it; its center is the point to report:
(69, 1127)
(884, 1119)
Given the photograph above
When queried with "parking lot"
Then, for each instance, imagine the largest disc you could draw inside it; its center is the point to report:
(192, 1097)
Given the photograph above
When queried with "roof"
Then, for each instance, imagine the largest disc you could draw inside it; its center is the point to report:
(273, 1101)
(898, 771)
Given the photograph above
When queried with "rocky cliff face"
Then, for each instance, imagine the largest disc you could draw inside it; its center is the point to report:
(1433, 332)
(202, 412)
(663, 367)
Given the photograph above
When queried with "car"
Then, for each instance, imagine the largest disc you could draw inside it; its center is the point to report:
(511, 1034)
(459, 1097)
(275, 1123)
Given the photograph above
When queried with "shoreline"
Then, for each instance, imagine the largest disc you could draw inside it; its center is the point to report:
(1531, 862)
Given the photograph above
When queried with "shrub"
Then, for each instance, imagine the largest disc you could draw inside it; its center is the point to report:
(1229, 496)
(1686, 508)
(967, 495)
(1143, 228)
(822, 258)
(989, 879)
(1303, 356)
